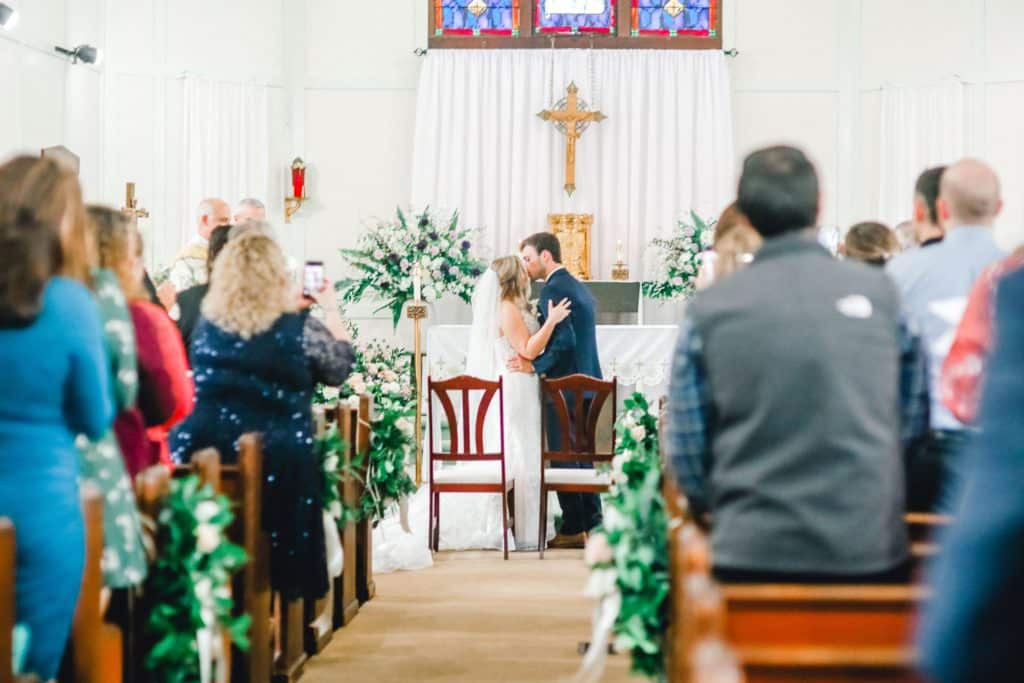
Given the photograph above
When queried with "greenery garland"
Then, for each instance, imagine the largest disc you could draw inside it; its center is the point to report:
(388, 253)
(330, 450)
(189, 585)
(680, 258)
(632, 541)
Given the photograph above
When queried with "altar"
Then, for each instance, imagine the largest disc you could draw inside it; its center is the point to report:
(638, 356)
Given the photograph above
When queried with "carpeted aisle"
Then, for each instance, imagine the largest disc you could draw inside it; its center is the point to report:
(470, 618)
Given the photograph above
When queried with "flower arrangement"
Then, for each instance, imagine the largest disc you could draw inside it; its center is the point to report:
(680, 259)
(189, 585)
(628, 554)
(330, 451)
(385, 373)
(387, 256)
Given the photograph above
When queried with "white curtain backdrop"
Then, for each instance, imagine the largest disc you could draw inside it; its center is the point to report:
(665, 148)
(922, 126)
(226, 149)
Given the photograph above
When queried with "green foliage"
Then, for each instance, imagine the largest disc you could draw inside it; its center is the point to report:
(387, 254)
(189, 585)
(680, 258)
(330, 451)
(636, 527)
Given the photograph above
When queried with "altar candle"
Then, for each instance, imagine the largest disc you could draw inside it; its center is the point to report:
(618, 251)
(417, 284)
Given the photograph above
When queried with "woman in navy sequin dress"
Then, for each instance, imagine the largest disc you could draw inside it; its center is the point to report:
(256, 362)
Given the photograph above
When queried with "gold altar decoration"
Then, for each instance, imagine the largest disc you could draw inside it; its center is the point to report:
(131, 207)
(571, 117)
(620, 271)
(573, 233)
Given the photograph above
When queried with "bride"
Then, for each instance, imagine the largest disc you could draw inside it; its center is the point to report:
(503, 327)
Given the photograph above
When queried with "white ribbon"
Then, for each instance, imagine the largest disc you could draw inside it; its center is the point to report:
(403, 514)
(211, 652)
(335, 552)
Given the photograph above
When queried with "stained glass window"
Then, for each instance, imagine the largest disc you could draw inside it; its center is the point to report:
(584, 16)
(674, 17)
(476, 17)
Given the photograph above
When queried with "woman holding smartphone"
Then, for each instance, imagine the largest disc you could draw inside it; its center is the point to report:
(256, 360)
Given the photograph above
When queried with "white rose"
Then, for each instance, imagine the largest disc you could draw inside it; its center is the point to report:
(378, 254)
(436, 275)
(597, 550)
(602, 582)
(353, 401)
(403, 425)
(331, 463)
(628, 420)
(330, 393)
(207, 538)
(618, 462)
(390, 375)
(677, 281)
(203, 590)
(613, 519)
(638, 432)
(433, 251)
(405, 264)
(206, 511)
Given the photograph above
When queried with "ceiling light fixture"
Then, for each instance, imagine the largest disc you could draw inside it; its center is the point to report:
(8, 17)
(87, 54)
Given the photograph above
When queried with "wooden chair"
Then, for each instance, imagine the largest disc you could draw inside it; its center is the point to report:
(575, 403)
(482, 471)
(8, 556)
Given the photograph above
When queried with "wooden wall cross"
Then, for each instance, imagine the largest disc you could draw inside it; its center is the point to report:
(571, 117)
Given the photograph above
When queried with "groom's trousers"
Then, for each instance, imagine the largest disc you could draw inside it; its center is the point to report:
(580, 511)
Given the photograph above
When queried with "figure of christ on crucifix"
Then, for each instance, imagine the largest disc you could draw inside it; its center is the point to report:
(571, 117)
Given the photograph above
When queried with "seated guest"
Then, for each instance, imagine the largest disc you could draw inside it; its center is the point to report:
(54, 384)
(795, 449)
(734, 246)
(965, 364)
(189, 301)
(256, 362)
(250, 209)
(928, 228)
(934, 283)
(870, 242)
(973, 627)
(166, 391)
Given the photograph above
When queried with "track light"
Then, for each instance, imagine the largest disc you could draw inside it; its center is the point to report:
(87, 54)
(8, 17)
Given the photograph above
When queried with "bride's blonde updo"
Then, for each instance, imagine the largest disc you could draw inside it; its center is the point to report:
(513, 279)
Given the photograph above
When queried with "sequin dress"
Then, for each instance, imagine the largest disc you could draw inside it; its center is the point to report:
(265, 384)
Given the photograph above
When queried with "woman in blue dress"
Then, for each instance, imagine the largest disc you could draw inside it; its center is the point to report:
(256, 361)
(54, 384)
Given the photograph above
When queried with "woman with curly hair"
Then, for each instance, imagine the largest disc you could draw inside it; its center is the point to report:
(256, 360)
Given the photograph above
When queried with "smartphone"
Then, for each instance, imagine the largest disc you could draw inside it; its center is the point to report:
(312, 277)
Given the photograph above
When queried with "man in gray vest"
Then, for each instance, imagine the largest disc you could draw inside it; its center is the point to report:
(795, 388)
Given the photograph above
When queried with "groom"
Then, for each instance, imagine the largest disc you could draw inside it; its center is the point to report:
(572, 350)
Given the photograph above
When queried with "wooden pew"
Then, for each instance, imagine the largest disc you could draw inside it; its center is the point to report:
(820, 633)
(366, 587)
(319, 614)
(8, 551)
(346, 593)
(242, 483)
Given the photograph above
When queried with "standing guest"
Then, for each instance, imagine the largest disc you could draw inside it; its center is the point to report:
(734, 246)
(934, 283)
(792, 499)
(256, 362)
(54, 384)
(250, 209)
(189, 266)
(167, 392)
(928, 227)
(190, 300)
(973, 628)
(870, 242)
(964, 368)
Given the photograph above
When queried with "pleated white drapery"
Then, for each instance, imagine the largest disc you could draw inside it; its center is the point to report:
(665, 148)
(226, 150)
(922, 126)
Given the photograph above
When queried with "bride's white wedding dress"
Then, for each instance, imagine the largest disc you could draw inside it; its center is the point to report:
(473, 520)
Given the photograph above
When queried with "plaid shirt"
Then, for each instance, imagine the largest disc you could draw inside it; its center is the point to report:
(691, 413)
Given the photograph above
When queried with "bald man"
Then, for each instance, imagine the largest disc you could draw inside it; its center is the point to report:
(189, 267)
(934, 284)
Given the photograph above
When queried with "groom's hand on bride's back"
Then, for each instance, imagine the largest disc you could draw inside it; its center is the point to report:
(520, 364)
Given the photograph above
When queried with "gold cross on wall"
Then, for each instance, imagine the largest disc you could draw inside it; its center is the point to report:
(571, 120)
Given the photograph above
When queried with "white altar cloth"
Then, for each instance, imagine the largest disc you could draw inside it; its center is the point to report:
(639, 356)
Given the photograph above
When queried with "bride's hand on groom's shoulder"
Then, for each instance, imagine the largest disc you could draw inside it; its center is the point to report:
(560, 311)
(520, 364)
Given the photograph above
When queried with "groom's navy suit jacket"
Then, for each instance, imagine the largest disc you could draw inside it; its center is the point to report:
(573, 346)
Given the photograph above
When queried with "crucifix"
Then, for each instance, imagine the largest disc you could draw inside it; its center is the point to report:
(131, 206)
(571, 117)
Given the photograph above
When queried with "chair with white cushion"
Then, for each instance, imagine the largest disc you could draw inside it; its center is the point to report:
(477, 468)
(573, 406)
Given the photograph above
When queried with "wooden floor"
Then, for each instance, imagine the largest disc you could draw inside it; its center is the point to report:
(471, 617)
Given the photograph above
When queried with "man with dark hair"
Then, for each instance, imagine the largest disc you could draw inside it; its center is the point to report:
(927, 228)
(794, 389)
(191, 299)
(571, 350)
(934, 284)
